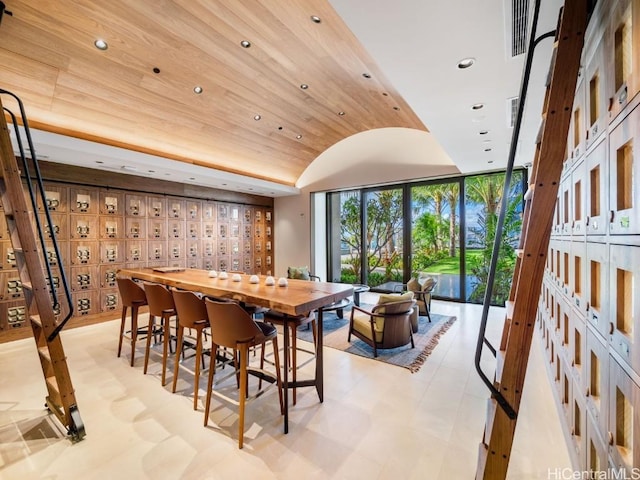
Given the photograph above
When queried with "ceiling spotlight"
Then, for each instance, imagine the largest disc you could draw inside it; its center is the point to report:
(192, 178)
(385, 94)
(466, 63)
(245, 43)
(151, 171)
(341, 113)
(197, 89)
(99, 161)
(477, 106)
(257, 117)
(488, 149)
(304, 86)
(396, 108)
(366, 75)
(156, 70)
(298, 136)
(490, 161)
(483, 132)
(101, 44)
(315, 19)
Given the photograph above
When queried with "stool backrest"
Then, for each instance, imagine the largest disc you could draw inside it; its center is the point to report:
(190, 308)
(230, 324)
(159, 299)
(130, 292)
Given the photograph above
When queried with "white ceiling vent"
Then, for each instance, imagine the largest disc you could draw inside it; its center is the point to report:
(512, 111)
(519, 26)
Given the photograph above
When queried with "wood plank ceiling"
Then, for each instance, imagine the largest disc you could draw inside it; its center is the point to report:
(48, 58)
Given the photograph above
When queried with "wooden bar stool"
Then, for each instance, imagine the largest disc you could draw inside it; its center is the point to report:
(233, 327)
(192, 314)
(131, 296)
(294, 323)
(161, 305)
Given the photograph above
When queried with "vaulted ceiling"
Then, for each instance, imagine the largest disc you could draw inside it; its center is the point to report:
(265, 110)
(316, 72)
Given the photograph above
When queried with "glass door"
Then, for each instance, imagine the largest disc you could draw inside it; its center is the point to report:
(384, 239)
(435, 236)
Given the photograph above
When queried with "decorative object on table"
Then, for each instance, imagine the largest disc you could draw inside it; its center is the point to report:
(254, 279)
(213, 273)
(236, 277)
(386, 325)
(282, 282)
(223, 275)
(269, 281)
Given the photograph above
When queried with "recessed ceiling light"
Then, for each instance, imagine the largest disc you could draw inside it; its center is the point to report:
(385, 94)
(192, 178)
(315, 19)
(304, 86)
(101, 44)
(156, 70)
(298, 137)
(97, 161)
(477, 106)
(197, 89)
(483, 132)
(490, 161)
(396, 108)
(250, 189)
(280, 127)
(151, 171)
(341, 113)
(224, 184)
(257, 117)
(466, 63)
(366, 75)
(488, 149)
(245, 43)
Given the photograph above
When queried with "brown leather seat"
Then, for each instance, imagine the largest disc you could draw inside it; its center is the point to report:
(192, 314)
(232, 327)
(131, 296)
(161, 305)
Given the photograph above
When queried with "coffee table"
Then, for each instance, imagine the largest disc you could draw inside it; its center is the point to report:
(338, 307)
(359, 288)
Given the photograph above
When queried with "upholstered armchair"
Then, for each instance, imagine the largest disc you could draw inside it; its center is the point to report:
(422, 288)
(386, 325)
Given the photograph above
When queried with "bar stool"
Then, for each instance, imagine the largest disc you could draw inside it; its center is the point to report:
(233, 327)
(161, 305)
(131, 296)
(192, 314)
(294, 323)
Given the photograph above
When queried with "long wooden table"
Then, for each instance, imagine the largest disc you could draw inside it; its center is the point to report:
(299, 297)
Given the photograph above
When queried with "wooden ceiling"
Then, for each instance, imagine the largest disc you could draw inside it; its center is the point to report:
(48, 58)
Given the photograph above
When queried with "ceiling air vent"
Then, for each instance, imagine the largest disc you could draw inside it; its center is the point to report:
(519, 26)
(512, 111)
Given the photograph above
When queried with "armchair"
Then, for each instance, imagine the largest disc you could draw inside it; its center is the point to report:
(386, 325)
(422, 289)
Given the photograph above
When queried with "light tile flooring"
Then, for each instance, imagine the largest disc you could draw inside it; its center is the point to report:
(377, 421)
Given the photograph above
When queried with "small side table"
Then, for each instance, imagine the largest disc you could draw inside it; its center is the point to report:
(359, 288)
(338, 306)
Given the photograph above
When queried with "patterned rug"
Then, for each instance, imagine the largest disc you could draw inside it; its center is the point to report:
(336, 331)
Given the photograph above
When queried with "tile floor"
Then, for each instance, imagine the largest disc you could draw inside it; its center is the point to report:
(377, 421)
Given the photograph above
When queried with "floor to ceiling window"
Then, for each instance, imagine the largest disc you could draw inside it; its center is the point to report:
(442, 229)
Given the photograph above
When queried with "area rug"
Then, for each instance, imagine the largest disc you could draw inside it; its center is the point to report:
(336, 332)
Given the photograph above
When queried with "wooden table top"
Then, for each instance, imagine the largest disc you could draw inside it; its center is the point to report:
(297, 298)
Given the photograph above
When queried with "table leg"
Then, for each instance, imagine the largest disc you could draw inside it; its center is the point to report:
(319, 359)
(340, 313)
(285, 379)
(356, 298)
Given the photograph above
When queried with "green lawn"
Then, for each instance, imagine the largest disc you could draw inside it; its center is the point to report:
(452, 264)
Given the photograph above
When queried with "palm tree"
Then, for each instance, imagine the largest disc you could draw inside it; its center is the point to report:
(452, 196)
